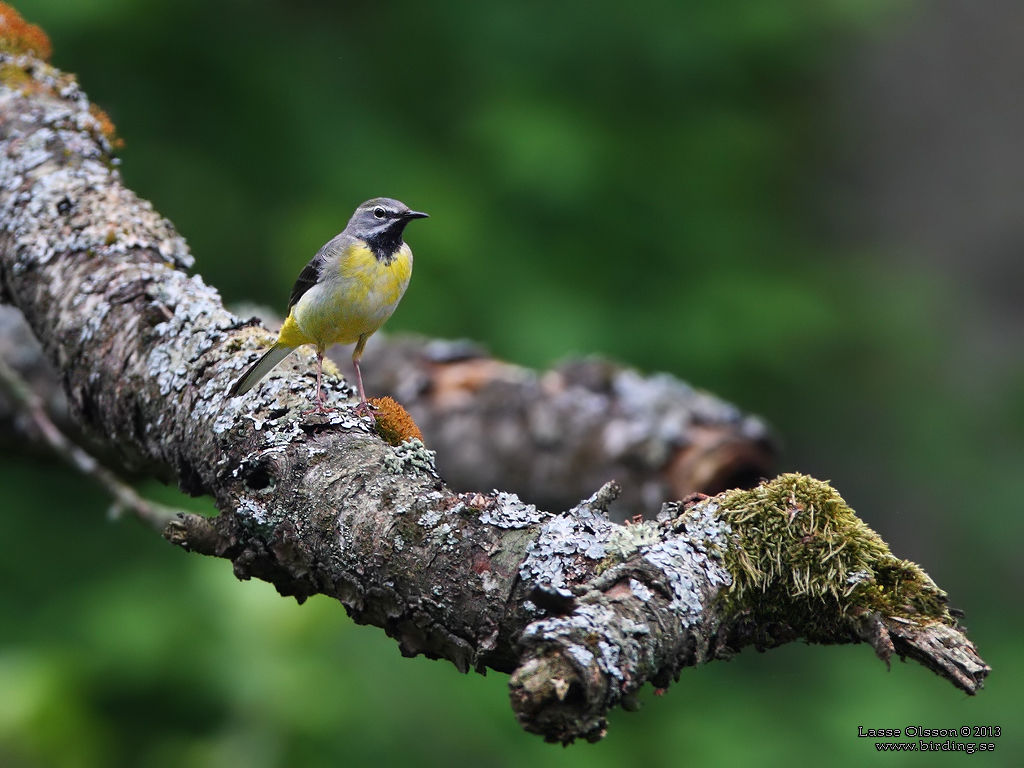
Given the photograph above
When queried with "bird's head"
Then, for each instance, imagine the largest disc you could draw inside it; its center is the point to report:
(380, 223)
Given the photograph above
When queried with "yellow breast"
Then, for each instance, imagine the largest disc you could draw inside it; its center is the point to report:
(354, 297)
(373, 281)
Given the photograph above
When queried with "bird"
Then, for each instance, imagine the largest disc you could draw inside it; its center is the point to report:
(345, 293)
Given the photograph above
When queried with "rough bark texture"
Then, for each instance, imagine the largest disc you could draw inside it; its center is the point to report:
(580, 610)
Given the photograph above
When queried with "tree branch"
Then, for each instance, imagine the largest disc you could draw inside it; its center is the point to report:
(580, 610)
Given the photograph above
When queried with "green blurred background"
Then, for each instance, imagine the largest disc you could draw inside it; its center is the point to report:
(813, 208)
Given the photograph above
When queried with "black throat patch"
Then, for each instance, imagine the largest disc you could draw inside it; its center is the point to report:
(385, 245)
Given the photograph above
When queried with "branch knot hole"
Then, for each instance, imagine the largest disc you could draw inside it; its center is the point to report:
(256, 475)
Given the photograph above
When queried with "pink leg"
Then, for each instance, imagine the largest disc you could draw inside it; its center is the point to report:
(319, 374)
(364, 408)
(359, 381)
(321, 395)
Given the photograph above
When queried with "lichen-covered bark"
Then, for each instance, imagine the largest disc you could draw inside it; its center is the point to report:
(581, 610)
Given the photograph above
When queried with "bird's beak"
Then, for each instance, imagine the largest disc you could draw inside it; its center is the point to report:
(414, 215)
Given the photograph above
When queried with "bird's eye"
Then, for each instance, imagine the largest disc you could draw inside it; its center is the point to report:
(378, 212)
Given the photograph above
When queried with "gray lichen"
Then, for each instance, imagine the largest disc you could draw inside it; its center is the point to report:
(509, 511)
(640, 590)
(597, 639)
(566, 542)
(693, 560)
(410, 457)
(582, 656)
(256, 514)
(101, 215)
(429, 519)
(627, 539)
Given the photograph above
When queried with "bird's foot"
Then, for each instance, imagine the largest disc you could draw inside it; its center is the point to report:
(365, 409)
(321, 399)
(318, 409)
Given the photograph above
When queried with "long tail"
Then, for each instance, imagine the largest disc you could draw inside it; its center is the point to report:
(259, 369)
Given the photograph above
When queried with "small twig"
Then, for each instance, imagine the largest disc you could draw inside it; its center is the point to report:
(125, 498)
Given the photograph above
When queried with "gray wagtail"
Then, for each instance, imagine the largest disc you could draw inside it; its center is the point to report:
(345, 293)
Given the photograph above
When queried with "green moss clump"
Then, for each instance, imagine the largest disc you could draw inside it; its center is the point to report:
(15, 77)
(804, 565)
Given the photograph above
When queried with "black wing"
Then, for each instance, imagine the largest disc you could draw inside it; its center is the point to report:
(307, 279)
(310, 274)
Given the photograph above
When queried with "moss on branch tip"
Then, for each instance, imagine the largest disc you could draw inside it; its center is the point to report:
(804, 565)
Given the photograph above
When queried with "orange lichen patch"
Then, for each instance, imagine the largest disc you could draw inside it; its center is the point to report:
(18, 36)
(106, 126)
(394, 424)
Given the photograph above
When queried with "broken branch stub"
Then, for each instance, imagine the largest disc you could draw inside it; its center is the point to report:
(787, 560)
(580, 610)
